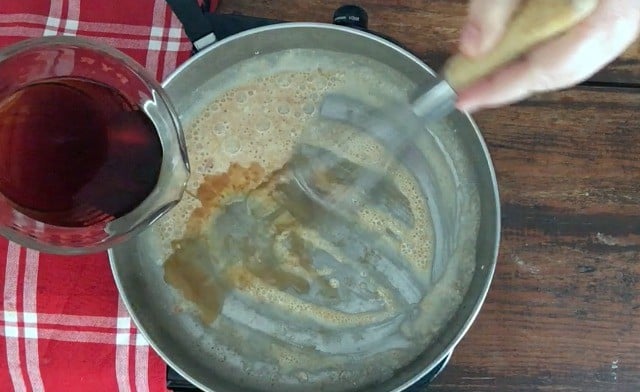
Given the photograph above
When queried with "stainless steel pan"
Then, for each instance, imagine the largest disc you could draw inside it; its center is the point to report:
(182, 342)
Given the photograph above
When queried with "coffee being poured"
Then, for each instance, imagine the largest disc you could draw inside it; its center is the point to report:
(75, 152)
(91, 151)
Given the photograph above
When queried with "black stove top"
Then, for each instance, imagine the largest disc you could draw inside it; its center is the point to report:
(223, 26)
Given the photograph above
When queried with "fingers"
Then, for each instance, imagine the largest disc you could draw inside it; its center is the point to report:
(563, 62)
(486, 22)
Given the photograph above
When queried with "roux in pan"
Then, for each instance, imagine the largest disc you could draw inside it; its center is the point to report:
(290, 292)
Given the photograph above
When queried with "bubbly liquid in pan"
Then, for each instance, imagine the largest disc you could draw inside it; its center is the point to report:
(293, 297)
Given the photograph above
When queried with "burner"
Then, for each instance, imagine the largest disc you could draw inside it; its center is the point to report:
(199, 30)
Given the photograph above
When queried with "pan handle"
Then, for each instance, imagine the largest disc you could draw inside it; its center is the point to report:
(196, 26)
(204, 28)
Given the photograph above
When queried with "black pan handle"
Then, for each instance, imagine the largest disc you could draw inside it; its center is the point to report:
(195, 24)
(225, 25)
(204, 28)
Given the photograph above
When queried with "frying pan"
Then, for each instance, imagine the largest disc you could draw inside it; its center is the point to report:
(186, 344)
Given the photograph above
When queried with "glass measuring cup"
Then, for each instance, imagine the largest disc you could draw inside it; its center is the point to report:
(91, 149)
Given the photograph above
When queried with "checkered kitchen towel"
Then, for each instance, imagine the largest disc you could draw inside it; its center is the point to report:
(62, 325)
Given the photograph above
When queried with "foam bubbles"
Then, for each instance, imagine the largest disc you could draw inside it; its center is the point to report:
(220, 128)
(263, 126)
(283, 80)
(241, 97)
(284, 109)
(231, 145)
(308, 108)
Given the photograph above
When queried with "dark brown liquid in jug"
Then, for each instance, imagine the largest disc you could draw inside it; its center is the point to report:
(71, 149)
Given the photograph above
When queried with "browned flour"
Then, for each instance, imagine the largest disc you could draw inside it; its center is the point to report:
(207, 291)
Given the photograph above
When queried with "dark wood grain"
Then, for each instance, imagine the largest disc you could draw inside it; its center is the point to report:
(563, 312)
(429, 29)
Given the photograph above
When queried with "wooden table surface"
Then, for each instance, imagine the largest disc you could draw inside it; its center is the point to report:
(563, 312)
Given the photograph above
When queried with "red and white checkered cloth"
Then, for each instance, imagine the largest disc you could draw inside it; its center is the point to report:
(63, 327)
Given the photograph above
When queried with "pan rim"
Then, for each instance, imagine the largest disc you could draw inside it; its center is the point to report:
(494, 247)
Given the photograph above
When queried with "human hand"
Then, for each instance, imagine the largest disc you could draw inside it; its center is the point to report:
(560, 63)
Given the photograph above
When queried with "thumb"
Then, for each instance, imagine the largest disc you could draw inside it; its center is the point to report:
(485, 25)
